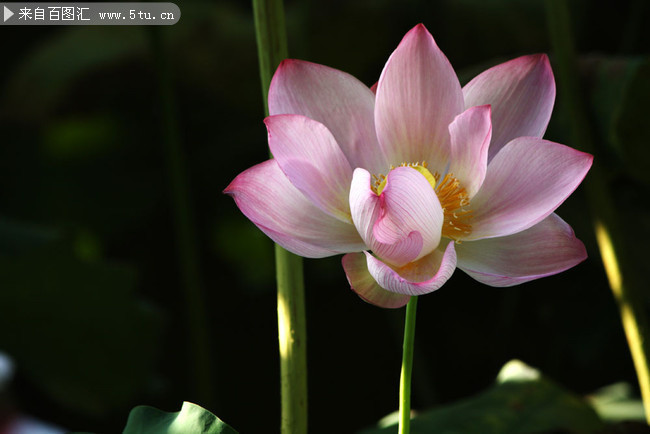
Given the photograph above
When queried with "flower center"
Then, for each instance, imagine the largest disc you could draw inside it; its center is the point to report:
(452, 196)
(455, 206)
(380, 181)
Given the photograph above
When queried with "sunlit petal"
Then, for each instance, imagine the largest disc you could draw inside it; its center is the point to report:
(417, 278)
(521, 92)
(337, 100)
(282, 212)
(547, 248)
(418, 96)
(312, 160)
(470, 139)
(525, 183)
(402, 223)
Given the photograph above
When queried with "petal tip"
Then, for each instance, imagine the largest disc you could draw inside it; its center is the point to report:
(288, 63)
(533, 60)
(420, 27)
(230, 190)
(419, 31)
(542, 61)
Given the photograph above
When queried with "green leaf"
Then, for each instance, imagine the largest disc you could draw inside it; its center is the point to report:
(192, 419)
(615, 403)
(521, 402)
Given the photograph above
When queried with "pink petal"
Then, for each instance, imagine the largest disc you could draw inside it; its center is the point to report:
(265, 195)
(404, 222)
(470, 138)
(418, 96)
(361, 282)
(547, 248)
(521, 92)
(337, 100)
(417, 278)
(312, 160)
(525, 182)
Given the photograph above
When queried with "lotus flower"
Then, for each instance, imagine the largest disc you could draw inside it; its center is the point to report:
(416, 176)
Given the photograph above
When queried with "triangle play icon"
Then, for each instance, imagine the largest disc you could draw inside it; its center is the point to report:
(7, 13)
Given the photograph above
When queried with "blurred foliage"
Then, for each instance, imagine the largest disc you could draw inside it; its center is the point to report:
(631, 127)
(65, 320)
(86, 235)
(521, 402)
(616, 403)
(44, 78)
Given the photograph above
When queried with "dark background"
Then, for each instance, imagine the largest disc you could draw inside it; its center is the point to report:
(92, 292)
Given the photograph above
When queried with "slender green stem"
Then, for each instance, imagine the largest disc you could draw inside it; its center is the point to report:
(199, 341)
(292, 331)
(626, 285)
(407, 368)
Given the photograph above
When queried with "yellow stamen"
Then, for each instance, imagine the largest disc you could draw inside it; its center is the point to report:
(380, 181)
(454, 200)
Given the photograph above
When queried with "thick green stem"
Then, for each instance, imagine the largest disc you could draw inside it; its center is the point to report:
(292, 333)
(626, 285)
(407, 368)
(201, 360)
(271, 38)
(292, 337)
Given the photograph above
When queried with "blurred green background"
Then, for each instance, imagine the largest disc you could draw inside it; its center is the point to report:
(92, 289)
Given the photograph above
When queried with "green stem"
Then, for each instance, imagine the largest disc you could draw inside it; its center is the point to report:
(292, 331)
(271, 38)
(407, 368)
(626, 285)
(199, 341)
(292, 339)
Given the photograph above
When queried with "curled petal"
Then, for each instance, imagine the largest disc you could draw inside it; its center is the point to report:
(312, 160)
(404, 222)
(365, 205)
(470, 139)
(521, 92)
(361, 282)
(366, 209)
(418, 96)
(547, 248)
(337, 100)
(525, 182)
(265, 195)
(417, 278)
